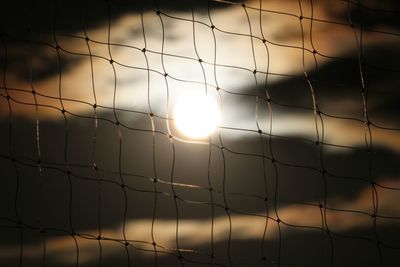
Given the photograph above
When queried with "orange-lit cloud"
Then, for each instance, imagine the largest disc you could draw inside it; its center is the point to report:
(131, 86)
(340, 218)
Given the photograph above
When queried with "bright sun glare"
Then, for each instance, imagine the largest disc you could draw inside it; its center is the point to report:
(196, 115)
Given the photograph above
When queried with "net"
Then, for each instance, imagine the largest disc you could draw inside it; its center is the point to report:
(299, 168)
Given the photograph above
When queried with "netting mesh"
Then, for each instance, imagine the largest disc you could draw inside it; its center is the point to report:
(302, 169)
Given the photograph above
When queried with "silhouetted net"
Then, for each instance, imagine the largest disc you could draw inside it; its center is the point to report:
(302, 170)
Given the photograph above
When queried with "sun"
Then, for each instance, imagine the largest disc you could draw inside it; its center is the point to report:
(196, 115)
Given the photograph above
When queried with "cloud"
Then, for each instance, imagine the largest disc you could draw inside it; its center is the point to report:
(342, 216)
(174, 44)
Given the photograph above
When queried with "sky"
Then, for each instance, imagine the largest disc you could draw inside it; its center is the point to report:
(302, 169)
